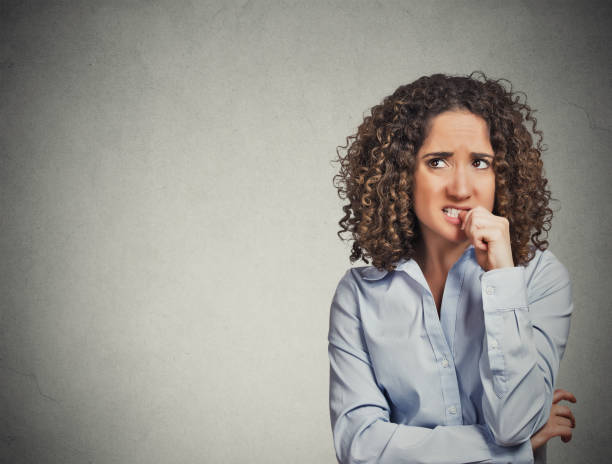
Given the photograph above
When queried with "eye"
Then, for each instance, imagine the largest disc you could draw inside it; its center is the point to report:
(481, 163)
(435, 163)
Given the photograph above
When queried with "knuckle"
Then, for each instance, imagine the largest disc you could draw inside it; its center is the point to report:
(554, 409)
(565, 409)
(561, 409)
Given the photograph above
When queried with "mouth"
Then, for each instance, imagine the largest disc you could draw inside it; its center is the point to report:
(451, 212)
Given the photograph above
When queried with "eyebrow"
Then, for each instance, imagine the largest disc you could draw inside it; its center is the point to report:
(446, 154)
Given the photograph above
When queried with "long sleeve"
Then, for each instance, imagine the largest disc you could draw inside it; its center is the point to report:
(527, 321)
(360, 413)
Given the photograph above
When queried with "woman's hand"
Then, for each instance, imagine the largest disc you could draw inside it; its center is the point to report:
(560, 422)
(490, 236)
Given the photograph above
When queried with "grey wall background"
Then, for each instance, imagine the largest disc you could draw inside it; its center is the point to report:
(169, 247)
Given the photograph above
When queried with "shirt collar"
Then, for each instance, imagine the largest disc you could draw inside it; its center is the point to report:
(409, 266)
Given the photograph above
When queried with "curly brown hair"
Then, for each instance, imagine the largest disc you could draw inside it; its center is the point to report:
(376, 172)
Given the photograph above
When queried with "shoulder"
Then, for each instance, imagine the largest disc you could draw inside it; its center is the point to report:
(351, 281)
(545, 273)
(355, 285)
(545, 261)
(356, 277)
(344, 317)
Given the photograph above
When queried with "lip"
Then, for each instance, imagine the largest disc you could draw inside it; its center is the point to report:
(457, 207)
(452, 220)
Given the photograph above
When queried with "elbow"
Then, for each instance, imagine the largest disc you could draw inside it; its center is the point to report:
(354, 445)
(513, 433)
(509, 440)
(518, 417)
(352, 450)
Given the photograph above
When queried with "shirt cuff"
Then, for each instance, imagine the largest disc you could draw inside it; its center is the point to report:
(522, 453)
(504, 289)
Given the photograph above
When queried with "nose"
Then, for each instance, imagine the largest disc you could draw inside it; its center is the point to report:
(459, 186)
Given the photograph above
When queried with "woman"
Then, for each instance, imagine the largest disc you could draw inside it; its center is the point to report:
(446, 349)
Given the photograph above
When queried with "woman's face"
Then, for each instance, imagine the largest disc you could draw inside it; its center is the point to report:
(454, 170)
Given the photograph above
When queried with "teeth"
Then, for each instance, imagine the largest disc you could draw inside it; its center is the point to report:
(452, 212)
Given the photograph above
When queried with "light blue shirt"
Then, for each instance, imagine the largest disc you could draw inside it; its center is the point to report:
(472, 385)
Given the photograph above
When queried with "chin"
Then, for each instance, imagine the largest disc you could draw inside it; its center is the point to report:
(454, 235)
(457, 239)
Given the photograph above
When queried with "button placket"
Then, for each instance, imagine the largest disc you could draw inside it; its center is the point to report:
(448, 378)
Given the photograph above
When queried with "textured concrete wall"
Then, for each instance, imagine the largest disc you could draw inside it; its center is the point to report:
(169, 247)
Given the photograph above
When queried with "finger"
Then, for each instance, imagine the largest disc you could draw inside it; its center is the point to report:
(561, 394)
(482, 211)
(480, 216)
(481, 228)
(477, 237)
(564, 421)
(562, 431)
(463, 216)
(563, 411)
(485, 235)
(565, 434)
(483, 223)
(475, 216)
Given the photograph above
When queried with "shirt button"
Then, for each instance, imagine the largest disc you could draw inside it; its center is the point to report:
(490, 290)
(493, 344)
(445, 363)
(452, 410)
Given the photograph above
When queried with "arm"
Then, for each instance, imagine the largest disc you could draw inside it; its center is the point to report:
(525, 337)
(360, 414)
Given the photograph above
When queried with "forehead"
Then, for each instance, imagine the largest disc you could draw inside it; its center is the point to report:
(455, 129)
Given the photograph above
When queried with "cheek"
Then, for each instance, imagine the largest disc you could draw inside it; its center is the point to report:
(422, 194)
(488, 192)
(492, 187)
(426, 185)
(426, 198)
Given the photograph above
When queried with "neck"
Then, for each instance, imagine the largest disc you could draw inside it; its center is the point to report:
(437, 258)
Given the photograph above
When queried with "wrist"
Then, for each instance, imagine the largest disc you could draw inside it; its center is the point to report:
(501, 266)
(507, 261)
